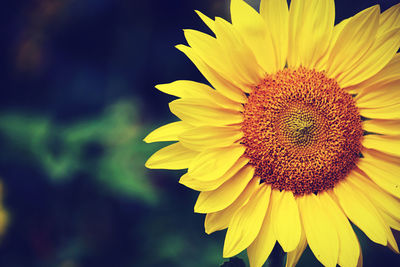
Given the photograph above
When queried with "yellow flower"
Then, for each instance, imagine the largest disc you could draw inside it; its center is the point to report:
(299, 133)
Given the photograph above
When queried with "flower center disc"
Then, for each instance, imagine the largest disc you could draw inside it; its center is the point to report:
(302, 132)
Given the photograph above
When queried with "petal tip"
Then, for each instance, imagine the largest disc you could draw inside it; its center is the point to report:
(183, 179)
(159, 86)
(376, 8)
(199, 209)
(181, 47)
(208, 231)
(228, 253)
(199, 13)
(148, 164)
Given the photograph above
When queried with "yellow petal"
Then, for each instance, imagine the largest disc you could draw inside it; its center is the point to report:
(258, 252)
(222, 85)
(190, 89)
(389, 19)
(382, 200)
(353, 41)
(389, 220)
(220, 220)
(387, 127)
(391, 112)
(382, 169)
(392, 244)
(388, 206)
(286, 219)
(209, 22)
(186, 89)
(199, 112)
(172, 157)
(226, 194)
(389, 73)
(294, 256)
(361, 212)
(320, 230)
(255, 34)
(276, 15)
(210, 51)
(241, 57)
(310, 29)
(386, 144)
(201, 184)
(246, 222)
(168, 132)
(215, 162)
(377, 57)
(321, 65)
(379, 97)
(204, 137)
(349, 248)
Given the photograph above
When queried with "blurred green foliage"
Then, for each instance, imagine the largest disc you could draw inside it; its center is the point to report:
(108, 148)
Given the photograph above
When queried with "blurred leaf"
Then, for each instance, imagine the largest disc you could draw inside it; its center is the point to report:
(31, 135)
(172, 246)
(26, 132)
(109, 148)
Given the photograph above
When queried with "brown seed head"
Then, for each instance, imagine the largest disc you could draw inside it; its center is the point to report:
(302, 131)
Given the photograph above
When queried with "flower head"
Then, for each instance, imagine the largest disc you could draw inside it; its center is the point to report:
(298, 134)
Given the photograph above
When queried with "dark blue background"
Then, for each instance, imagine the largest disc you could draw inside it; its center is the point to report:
(67, 61)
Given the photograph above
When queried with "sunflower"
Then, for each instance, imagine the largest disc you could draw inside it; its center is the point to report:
(298, 134)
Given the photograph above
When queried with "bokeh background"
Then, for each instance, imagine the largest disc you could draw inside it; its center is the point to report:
(77, 97)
